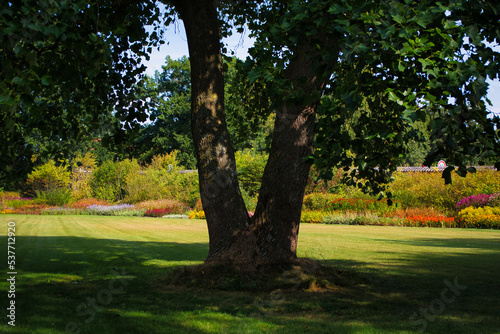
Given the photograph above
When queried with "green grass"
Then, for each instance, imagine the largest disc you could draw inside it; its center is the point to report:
(109, 275)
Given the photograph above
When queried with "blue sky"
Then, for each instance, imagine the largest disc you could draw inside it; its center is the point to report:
(177, 47)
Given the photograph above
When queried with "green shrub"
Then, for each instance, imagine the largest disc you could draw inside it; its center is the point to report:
(318, 201)
(81, 175)
(162, 179)
(129, 213)
(359, 218)
(186, 188)
(166, 162)
(54, 197)
(150, 184)
(48, 177)
(314, 216)
(250, 166)
(108, 181)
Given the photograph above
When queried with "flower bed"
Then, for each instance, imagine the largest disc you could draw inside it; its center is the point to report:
(356, 218)
(359, 205)
(158, 212)
(113, 210)
(29, 209)
(485, 217)
(197, 214)
(430, 221)
(475, 201)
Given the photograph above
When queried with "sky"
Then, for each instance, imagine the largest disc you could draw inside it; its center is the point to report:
(177, 47)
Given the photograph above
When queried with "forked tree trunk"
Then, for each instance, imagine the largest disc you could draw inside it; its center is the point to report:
(271, 235)
(220, 193)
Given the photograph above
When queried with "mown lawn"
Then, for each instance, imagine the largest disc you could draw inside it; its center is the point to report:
(92, 274)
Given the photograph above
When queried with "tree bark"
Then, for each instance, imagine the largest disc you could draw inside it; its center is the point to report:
(223, 204)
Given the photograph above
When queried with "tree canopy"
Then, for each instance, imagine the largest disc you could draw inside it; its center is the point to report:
(387, 65)
(68, 71)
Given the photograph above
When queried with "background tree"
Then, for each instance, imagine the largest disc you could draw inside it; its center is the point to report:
(169, 94)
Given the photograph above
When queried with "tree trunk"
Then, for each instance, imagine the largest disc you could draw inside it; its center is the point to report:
(220, 193)
(275, 224)
(271, 235)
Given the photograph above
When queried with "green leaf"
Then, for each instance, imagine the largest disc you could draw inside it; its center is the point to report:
(7, 100)
(19, 81)
(393, 97)
(45, 80)
(447, 174)
(253, 75)
(398, 18)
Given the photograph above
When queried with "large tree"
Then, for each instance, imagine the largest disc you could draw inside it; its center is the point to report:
(400, 59)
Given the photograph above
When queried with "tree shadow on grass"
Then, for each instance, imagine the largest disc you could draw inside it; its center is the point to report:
(82, 285)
